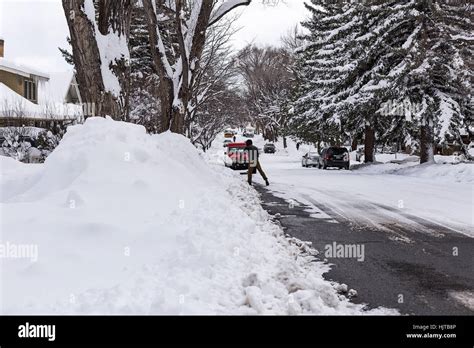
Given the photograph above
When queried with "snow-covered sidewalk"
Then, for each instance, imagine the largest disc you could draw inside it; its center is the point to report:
(127, 223)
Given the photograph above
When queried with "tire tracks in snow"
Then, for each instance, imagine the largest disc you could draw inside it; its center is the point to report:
(364, 214)
(423, 270)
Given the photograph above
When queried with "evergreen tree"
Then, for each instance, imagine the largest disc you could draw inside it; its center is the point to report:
(440, 61)
(361, 62)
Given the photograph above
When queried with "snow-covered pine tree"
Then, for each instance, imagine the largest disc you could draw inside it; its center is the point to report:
(378, 32)
(431, 83)
(358, 57)
(349, 48)
(307, 122)
(440, 74)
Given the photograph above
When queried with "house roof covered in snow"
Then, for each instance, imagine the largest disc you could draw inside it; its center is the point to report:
(14, 105)
(57, 87)
(7, 65)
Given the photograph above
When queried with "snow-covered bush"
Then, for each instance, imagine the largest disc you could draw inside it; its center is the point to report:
(46, 142)
(16, 144)
(30, 145)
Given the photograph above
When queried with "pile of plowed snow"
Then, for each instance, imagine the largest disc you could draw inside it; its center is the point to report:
(128, 223)
(439, 172)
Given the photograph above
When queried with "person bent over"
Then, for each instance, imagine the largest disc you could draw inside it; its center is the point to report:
(254, 162)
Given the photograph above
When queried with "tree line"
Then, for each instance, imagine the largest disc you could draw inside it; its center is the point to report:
(373, 72)
(385, 72)
(160, 58)
(165, 64)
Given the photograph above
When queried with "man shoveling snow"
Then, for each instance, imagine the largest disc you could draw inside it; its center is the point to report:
(254, 162)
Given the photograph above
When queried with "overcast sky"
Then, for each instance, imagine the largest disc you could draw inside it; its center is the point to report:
(34, 29)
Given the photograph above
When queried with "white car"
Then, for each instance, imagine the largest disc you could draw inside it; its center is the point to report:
(311, 159)
(227, 142)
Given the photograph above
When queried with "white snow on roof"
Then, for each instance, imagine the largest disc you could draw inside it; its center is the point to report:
(10, 100)
(22, 70)
(14, 105)
(56, 88)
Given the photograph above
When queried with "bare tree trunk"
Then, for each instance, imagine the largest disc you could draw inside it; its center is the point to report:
(165, 90)
(85, 54)
(426, 144)
(369, 144)
(175, 97)
(197, 48)
(87, 59)
(176, 67)
(354, 143)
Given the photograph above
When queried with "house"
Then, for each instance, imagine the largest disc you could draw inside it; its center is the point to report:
(33, 98)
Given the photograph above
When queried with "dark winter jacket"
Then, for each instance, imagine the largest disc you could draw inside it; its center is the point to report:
(252, 153)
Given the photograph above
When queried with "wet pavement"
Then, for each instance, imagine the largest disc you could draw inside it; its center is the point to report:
(404, 267)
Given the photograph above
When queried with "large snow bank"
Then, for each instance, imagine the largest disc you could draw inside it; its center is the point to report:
(130, 223)
(446, 172)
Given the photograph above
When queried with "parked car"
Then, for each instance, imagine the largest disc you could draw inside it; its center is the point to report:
(239, 157)
(228, 134)
(334, 157)
(248, 135)
(311, 159)
(387, 149)
(269, 148)
(227, 142)
(249, 132)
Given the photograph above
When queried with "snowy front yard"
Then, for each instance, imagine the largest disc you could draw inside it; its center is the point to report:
(127, 223)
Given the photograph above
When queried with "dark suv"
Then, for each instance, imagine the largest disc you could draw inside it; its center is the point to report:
(334, 157)
(269, 148)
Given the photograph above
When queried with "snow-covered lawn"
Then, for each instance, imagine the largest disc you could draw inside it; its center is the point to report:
(130, 223)
(441, 194)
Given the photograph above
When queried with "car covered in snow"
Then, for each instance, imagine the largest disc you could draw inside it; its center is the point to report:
(337, 157)
(249, 132)
(311, 159)
(227, 142)
(269, 148)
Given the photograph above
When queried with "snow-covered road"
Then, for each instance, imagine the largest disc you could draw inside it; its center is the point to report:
(413, 222)
(374, 197)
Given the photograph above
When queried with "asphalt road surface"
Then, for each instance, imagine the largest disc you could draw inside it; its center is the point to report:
(405, 268)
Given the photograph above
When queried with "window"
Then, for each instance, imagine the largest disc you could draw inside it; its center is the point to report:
(337, 150)
(29, 90)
